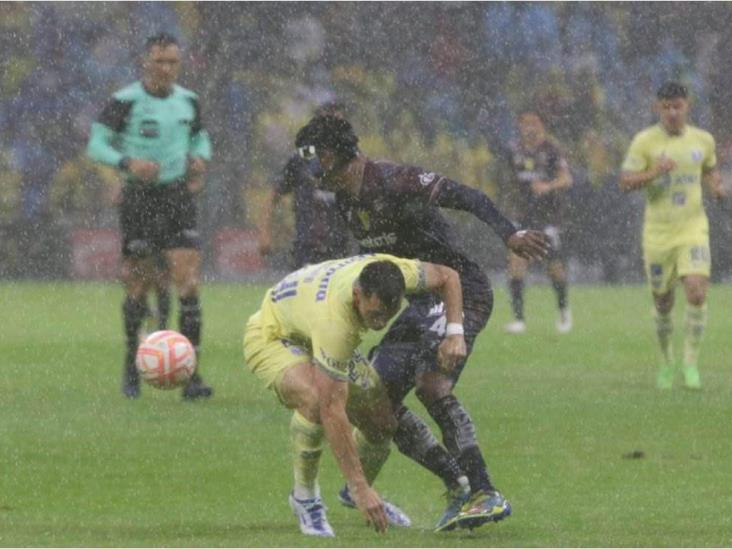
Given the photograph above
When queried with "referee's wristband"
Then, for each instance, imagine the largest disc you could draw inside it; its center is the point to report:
(454, 329)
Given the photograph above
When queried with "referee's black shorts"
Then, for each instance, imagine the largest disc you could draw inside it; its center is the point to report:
(154, 218)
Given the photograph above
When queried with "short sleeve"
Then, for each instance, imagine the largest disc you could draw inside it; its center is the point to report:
(710, 161)
(635, 159)
(115, 114)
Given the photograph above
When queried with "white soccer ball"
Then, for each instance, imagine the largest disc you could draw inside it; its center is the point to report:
(166, 359)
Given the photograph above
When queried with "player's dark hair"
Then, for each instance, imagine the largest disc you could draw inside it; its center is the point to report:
(672, 90)
(384, 279)
(328, 132)
(161, 39)
(330, 107)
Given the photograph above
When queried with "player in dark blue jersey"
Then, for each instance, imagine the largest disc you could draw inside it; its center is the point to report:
(320, 233)
(392, 208)
(535, 192)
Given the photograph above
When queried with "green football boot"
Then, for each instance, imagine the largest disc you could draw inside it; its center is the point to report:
(665, 377)
(691, 377)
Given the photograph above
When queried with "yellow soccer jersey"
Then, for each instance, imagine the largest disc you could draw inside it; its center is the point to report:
(674, 200)
(314, 308)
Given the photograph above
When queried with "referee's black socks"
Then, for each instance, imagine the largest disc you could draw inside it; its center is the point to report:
(134, 312)
(190, 320)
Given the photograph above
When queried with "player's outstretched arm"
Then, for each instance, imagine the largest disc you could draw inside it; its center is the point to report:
(446, 282)
(457, 196)
(332, 395)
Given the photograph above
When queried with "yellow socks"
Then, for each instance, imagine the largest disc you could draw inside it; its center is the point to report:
(307, 447)
(695, 320)
(664, 331)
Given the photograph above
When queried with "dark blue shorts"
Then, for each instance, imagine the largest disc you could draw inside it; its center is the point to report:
(410, 346)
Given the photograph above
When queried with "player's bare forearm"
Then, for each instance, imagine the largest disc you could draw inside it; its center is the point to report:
(446, 282)
(631, 181)
(563, 181)
(333, 395)
(713, 180)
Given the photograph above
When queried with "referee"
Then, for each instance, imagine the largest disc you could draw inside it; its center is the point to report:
(151, 131)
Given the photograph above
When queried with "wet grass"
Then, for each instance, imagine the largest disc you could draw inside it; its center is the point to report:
(575, 433)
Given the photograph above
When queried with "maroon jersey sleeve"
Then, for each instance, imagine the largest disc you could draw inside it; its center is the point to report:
(420, 188)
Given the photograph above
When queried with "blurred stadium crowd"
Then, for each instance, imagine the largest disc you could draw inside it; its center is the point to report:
(435, 84)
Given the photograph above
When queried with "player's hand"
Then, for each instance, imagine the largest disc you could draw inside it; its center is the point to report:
(664, 165)
(451, 351)
(529, 244)
(540, 188)
(144, 170)
(370, 505)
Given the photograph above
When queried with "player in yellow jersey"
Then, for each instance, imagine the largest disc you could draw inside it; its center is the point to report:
(302, 344)
(670, 161)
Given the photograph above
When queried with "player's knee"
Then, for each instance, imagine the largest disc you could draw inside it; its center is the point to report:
(430, 394)
(696, 296)
(557, 272)
(430, 389)
(308, 403)
(664, 303)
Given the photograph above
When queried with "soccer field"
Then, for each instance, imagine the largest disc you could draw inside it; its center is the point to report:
(558, 417)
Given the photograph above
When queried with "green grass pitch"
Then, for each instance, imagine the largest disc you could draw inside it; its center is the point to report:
(81, 466)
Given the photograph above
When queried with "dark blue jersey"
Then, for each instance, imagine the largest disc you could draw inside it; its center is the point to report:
(319, 231)
(542, 164)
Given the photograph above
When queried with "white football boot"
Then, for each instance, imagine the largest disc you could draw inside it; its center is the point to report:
(516, 327)
(311, 514)
(564, 322)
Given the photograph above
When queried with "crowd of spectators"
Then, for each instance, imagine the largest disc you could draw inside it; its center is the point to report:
(437, 84)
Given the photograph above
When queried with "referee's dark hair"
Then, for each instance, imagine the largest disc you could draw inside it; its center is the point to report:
(672, 90)
(328, 132)
(161, 39)
(384, 279)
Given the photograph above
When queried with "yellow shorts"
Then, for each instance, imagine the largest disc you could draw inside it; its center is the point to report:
(665, 265)
(269, 359)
